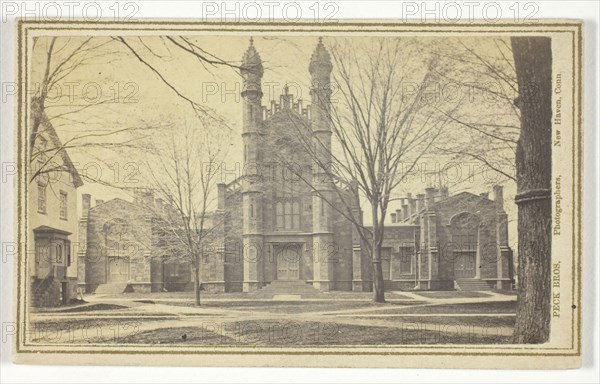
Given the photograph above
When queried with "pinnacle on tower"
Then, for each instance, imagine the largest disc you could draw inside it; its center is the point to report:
(251, 62)
(320, 59)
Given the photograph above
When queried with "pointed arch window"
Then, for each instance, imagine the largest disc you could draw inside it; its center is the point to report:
(287, 215)
(295, 215)
(279, 215)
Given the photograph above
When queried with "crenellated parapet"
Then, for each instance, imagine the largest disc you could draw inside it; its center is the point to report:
(296, 106)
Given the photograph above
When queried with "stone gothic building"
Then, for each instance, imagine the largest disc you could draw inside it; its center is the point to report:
(439, 242)
(276, 228)
(290, 227)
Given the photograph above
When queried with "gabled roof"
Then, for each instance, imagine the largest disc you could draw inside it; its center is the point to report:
(115, 200)
(460, 195)
(48, 130)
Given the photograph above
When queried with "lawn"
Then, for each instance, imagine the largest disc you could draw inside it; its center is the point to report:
(83, 331)
(352, 325)
(344, 295)
(291, 306)
(277, 323)
(456, 320)
(178, 335)
(500, 307)
(451, 294)
(311, 333)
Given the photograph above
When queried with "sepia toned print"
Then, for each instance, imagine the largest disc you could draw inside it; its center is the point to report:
(348, 194)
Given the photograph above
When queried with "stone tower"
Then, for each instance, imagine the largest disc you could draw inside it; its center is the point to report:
(252, 189)
(323, 241)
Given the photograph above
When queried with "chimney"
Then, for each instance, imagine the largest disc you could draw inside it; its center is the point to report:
(137, 196)
(444, 192)
(394, 218)
(429, 197)
(405, 213)
(499, 197)
(170, 212)
(411, 205)
(420, 202)
(221, 196)
(99, 201)
(398, 215)
(286, 98)
(284, 101)
(354, 194)
(86, 200)
(148, 199)
(159, 204)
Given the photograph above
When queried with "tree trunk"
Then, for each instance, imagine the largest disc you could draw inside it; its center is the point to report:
(197, 281)
(533, 64)
(378, 286)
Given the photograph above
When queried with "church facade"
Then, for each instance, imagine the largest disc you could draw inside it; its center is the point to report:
(292, 225)
(287, 222)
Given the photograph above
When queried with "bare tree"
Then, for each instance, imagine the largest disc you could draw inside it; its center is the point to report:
(183, 173)
(59, 59)
(487, 123)
(52, 106)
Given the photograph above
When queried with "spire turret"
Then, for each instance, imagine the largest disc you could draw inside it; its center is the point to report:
(251, 62)
(320, 60)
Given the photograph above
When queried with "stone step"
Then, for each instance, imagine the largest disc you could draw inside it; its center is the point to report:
(472, 285)
(281, 288)
(289, 283)
(46, 293)
(288, 289)
(110, 288)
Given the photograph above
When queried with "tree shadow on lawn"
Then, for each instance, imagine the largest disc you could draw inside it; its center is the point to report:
(92, 308)
(311, 333)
